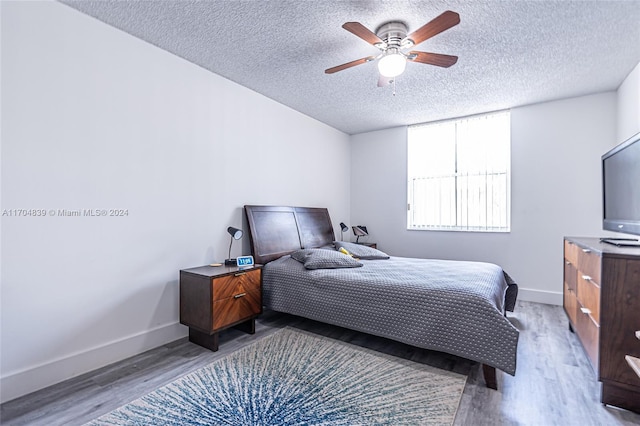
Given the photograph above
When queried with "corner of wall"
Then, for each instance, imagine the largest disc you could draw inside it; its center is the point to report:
(629, 105)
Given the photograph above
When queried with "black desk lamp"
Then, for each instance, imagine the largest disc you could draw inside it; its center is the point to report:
(343, 228)
(236, 234)
(359, 231)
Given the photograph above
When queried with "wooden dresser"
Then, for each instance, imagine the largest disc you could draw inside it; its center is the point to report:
(602, 301)
(215, 298)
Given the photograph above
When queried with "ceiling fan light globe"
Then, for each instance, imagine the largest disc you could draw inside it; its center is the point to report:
(392, 65)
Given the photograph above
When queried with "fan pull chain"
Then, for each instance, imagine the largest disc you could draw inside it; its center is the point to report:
(394, 87)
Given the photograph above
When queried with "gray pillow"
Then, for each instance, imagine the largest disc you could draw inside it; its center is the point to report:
(324, 259)
(361, 251)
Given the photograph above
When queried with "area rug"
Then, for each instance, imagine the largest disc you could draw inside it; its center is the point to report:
(297, 378)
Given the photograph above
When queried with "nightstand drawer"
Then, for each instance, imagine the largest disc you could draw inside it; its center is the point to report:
(231, 285)
(234, 309)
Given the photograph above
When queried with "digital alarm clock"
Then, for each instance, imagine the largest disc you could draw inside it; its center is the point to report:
(245, 262)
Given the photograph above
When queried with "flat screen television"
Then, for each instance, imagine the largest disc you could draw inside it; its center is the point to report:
(621, 188)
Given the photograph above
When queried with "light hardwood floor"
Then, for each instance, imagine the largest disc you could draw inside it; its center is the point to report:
(554, 383)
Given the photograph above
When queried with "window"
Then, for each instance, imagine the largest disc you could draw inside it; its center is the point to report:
(459, 174)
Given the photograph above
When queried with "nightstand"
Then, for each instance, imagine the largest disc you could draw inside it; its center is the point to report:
(372, 245)
(214, 298)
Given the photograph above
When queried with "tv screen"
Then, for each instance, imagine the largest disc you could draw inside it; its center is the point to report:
(621, 187)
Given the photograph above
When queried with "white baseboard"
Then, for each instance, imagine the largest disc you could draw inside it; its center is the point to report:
(540, 296)
(29, 380)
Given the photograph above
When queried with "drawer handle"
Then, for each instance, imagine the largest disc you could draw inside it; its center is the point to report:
(239, 295)
(586, 251)
(566, 262)
(585, 311)
(239, 274)
(586, 277)
(638, 334)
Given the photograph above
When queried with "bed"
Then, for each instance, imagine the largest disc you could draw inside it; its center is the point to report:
(449, 306)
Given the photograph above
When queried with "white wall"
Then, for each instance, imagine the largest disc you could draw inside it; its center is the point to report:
(556, 191)
(629, 106)
(93, 118)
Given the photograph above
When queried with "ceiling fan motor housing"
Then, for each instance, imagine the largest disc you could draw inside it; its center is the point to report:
(392, 33)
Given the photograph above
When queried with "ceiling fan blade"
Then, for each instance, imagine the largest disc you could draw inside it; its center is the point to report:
(437, 59)
(356, 28)
(437, 25)
(384, 81)
(348, 65)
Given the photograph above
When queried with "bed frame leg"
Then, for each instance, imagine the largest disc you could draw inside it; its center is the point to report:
(490, 376)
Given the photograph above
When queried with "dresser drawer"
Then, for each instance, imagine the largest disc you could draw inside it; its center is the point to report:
(231, 285)
(589, 264)
(588, 294)
(570, 304)
(588, 331)
(570, 275)
(236, 308)
(571, 252)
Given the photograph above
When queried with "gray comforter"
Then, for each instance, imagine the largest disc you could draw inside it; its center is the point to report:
(449, 306)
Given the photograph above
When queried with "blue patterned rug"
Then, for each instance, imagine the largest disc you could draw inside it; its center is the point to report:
(297, 378)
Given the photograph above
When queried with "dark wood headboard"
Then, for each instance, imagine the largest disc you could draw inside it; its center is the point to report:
(275, 231)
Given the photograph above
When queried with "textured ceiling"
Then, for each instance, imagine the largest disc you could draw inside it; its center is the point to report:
(510, 53)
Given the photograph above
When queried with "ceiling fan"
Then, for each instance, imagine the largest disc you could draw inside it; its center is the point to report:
(392, 39)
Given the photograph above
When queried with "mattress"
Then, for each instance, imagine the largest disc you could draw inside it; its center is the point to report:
(455, 307)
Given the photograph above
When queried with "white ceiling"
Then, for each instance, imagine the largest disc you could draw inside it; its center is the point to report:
(510, 53)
